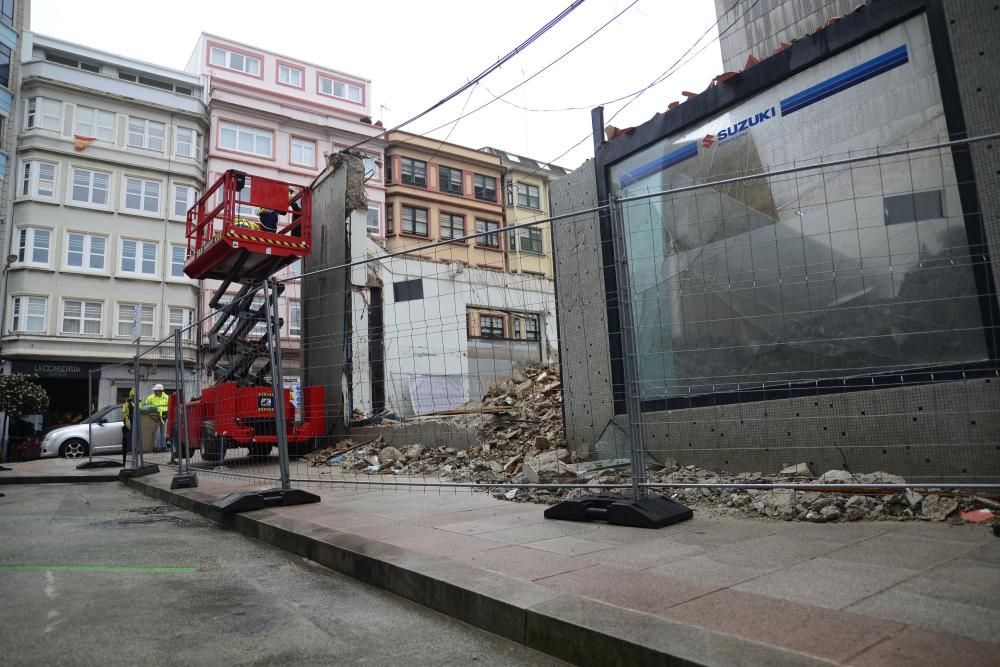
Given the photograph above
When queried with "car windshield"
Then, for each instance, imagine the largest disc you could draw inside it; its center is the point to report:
(111, 413)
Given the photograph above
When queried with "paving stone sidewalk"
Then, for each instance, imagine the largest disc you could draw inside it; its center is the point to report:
(875, 593)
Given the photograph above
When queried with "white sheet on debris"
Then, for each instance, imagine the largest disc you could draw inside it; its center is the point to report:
(432, 393)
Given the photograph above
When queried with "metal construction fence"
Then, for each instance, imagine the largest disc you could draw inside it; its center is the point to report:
(819, 327)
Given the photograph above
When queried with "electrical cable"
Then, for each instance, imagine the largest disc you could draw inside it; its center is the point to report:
(482, 75)
(543, 69)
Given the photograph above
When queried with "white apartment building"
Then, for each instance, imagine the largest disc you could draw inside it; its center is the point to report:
(109, 158)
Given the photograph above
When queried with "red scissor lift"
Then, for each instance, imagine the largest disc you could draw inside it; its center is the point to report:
(242, 231)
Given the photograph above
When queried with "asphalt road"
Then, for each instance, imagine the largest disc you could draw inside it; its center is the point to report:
(99, 574)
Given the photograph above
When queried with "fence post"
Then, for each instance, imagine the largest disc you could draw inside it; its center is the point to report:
(633, 400)
(139, 468)
(184, 478)
(273, 322)
(285, 495)
(642, 510)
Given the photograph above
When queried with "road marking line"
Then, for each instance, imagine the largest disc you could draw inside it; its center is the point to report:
(115, 569)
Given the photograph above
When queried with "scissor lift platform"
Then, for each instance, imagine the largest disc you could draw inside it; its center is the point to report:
(229, 240)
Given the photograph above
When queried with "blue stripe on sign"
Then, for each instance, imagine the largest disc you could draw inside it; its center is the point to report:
(851, 77)
(659, 164)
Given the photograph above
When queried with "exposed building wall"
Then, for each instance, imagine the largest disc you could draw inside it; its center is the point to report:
(972, 32)
(769, 23)
(434, 358)
(323, 296)
(584, 354)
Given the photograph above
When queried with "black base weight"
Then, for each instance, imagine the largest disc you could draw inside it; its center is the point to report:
(184, 480)
(141, 471)
(648, 512)
(105, 463)
(248, 501)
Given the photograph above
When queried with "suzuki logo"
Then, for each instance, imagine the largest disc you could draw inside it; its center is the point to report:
(708, 141)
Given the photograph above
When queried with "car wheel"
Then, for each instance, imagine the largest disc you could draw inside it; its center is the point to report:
(73, 449)
(211, 447)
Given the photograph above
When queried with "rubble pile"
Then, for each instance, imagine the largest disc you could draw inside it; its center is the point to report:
(520, 438)
(521, 441)
(825, 506)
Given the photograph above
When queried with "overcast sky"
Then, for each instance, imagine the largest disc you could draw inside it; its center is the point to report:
(417, 52)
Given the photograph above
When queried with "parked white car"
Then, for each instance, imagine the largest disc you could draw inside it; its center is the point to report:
(103, 429)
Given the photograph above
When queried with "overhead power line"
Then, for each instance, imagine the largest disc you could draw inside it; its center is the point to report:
(543, 69)
(482, 75)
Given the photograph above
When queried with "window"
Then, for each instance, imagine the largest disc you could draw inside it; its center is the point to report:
(531, 330)
(7, 12)
(245, 139)
(95, 123)
(39, 180)
(388, 220)
(138, 258)
(531, 240)
(303, 152)
(245, 210)
(142, 195)
(913, 207)
(82, 317)
(341, 89)
(510, 193)
(5, 65)
(235, 61)
(178, 255)
(260, 328)
(290, 76)
(486, 187)
(452, 226)
(527, 195)
(186, 143)
(91, 187)
(491, 326)
(414, 221)
(43, 113)
(414, 171)
(295, 318)
(146, 134)
(184, 196)
(33, 246)
(126, 316)
(72, 62)
(372, 226)
(181, 320)
(86, 251)
(408, 290)
(28, 314)
(371, 167)
(450, 180)
(488, 240)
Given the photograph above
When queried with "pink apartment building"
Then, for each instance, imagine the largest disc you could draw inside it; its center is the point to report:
(277, 117)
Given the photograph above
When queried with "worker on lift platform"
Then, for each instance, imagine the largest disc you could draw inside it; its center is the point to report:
(269, 217)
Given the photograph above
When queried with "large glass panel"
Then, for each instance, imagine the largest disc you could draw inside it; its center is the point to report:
(745, 280)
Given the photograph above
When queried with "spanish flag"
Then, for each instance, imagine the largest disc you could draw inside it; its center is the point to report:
(80, 143)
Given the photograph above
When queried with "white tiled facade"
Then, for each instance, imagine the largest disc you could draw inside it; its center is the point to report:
(98, 226)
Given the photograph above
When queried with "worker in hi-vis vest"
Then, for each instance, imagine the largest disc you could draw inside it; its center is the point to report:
(159, 400)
